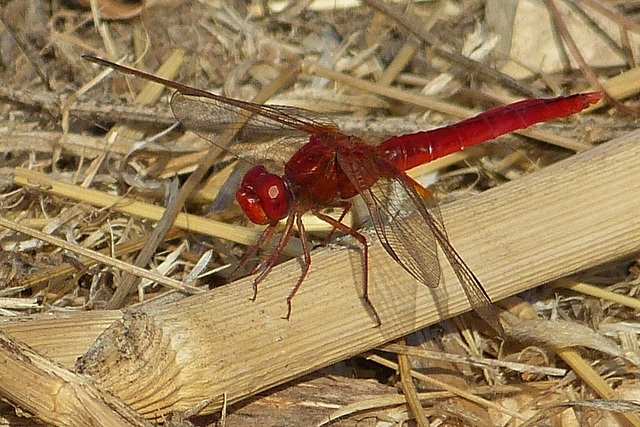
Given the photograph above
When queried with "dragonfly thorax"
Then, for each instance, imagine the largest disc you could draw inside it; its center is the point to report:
(264, 197)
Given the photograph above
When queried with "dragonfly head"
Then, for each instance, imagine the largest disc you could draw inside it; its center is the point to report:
(263, 196)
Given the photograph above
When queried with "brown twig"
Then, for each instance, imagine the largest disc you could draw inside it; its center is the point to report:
(584, 66)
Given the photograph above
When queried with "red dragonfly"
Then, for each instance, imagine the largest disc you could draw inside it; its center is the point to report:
(331, 168)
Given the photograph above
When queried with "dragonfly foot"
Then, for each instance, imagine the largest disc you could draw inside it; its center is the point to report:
(289, 308)
(255, 291)
(373, 310)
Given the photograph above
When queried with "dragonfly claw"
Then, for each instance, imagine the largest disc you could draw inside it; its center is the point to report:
(255, 291)
(289, 309)
(373, 310)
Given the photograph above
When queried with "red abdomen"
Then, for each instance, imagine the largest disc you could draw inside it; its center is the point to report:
(408, 151)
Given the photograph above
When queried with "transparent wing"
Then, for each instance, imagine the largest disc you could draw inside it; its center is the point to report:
(208, 114)
(398, 224)
(209, 117)
(409, 225)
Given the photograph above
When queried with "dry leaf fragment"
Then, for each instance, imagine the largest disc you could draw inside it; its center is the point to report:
(561, 334)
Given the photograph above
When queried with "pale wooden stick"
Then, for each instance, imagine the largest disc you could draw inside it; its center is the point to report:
(54, 395)
(61, 336)
(572, 215)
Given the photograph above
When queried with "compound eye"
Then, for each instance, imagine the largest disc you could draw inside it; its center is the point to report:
(275, 196)
(251, 207)
(264, 197)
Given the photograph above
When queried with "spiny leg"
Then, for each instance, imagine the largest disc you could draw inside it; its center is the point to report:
(268, 262)
(307, 263)
(365, 253)
(266, 235)
(346, 207)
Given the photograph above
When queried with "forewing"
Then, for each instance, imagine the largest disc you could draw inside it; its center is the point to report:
(210, 117)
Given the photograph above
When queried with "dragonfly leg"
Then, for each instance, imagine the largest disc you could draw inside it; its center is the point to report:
(337, 225)
(346, 206)
(266, 235)
(307, 263)
(268, 262)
